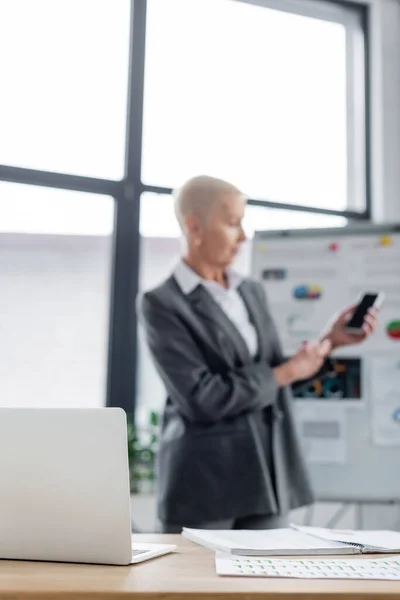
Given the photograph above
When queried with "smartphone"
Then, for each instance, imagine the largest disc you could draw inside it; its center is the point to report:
(367, 301)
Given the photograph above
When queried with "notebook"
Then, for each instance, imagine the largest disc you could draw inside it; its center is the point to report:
(291, 541)
(365, 542)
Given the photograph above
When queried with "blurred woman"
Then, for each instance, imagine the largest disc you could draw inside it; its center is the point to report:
(229, 457)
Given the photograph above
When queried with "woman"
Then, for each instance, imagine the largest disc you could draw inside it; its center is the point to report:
(229, 456)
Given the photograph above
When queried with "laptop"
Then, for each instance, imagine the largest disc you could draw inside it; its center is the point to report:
(64, 487)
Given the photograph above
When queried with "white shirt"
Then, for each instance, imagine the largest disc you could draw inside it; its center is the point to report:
(229, 300)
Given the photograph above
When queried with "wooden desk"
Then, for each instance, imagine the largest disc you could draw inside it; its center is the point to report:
(188, 573)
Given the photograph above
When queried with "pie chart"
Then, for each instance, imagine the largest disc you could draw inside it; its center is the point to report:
(393, 329)
(308, 292)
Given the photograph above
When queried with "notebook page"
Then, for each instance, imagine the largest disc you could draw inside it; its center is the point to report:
(384, 540)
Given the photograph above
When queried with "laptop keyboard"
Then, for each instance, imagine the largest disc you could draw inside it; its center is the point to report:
(137, 552)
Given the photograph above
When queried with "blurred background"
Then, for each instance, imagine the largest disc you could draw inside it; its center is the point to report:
(107, 105)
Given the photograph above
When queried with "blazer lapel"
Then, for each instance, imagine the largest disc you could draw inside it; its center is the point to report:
(255, 315)
(210, 311)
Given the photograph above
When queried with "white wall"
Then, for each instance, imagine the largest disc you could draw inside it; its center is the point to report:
(385, 107)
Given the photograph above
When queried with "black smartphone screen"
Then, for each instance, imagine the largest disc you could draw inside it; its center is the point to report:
(357, 319)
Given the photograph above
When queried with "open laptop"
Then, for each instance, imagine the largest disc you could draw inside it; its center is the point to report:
(64, 487)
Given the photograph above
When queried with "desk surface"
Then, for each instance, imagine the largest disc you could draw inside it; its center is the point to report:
(189, 572)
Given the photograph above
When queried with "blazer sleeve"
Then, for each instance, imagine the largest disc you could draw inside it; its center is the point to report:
(201, 395)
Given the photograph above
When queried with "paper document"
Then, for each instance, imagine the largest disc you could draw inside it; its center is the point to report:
(384, 375)
(382, 568)
(322, 431)
(271, 542)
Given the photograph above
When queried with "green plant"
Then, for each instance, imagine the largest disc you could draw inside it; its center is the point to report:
(142, 451)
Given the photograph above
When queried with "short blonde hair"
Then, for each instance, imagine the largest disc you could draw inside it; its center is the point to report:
(198, 194)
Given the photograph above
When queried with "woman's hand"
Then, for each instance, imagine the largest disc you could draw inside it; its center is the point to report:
(336, 332)
(304, 364)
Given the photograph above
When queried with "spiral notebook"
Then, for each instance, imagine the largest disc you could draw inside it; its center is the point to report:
(295, 541)
(366, 542)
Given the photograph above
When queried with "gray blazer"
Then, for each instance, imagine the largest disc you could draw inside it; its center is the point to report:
(228, 446)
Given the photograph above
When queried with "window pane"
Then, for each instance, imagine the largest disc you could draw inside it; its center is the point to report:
(54, 296)
(259, 218)
(249, 94)
(157, 216)
(64, 72)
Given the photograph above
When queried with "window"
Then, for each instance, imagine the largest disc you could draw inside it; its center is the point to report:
(55, 258)
(268, 94)
(37, 210)
(64, 70)
(268, 99)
